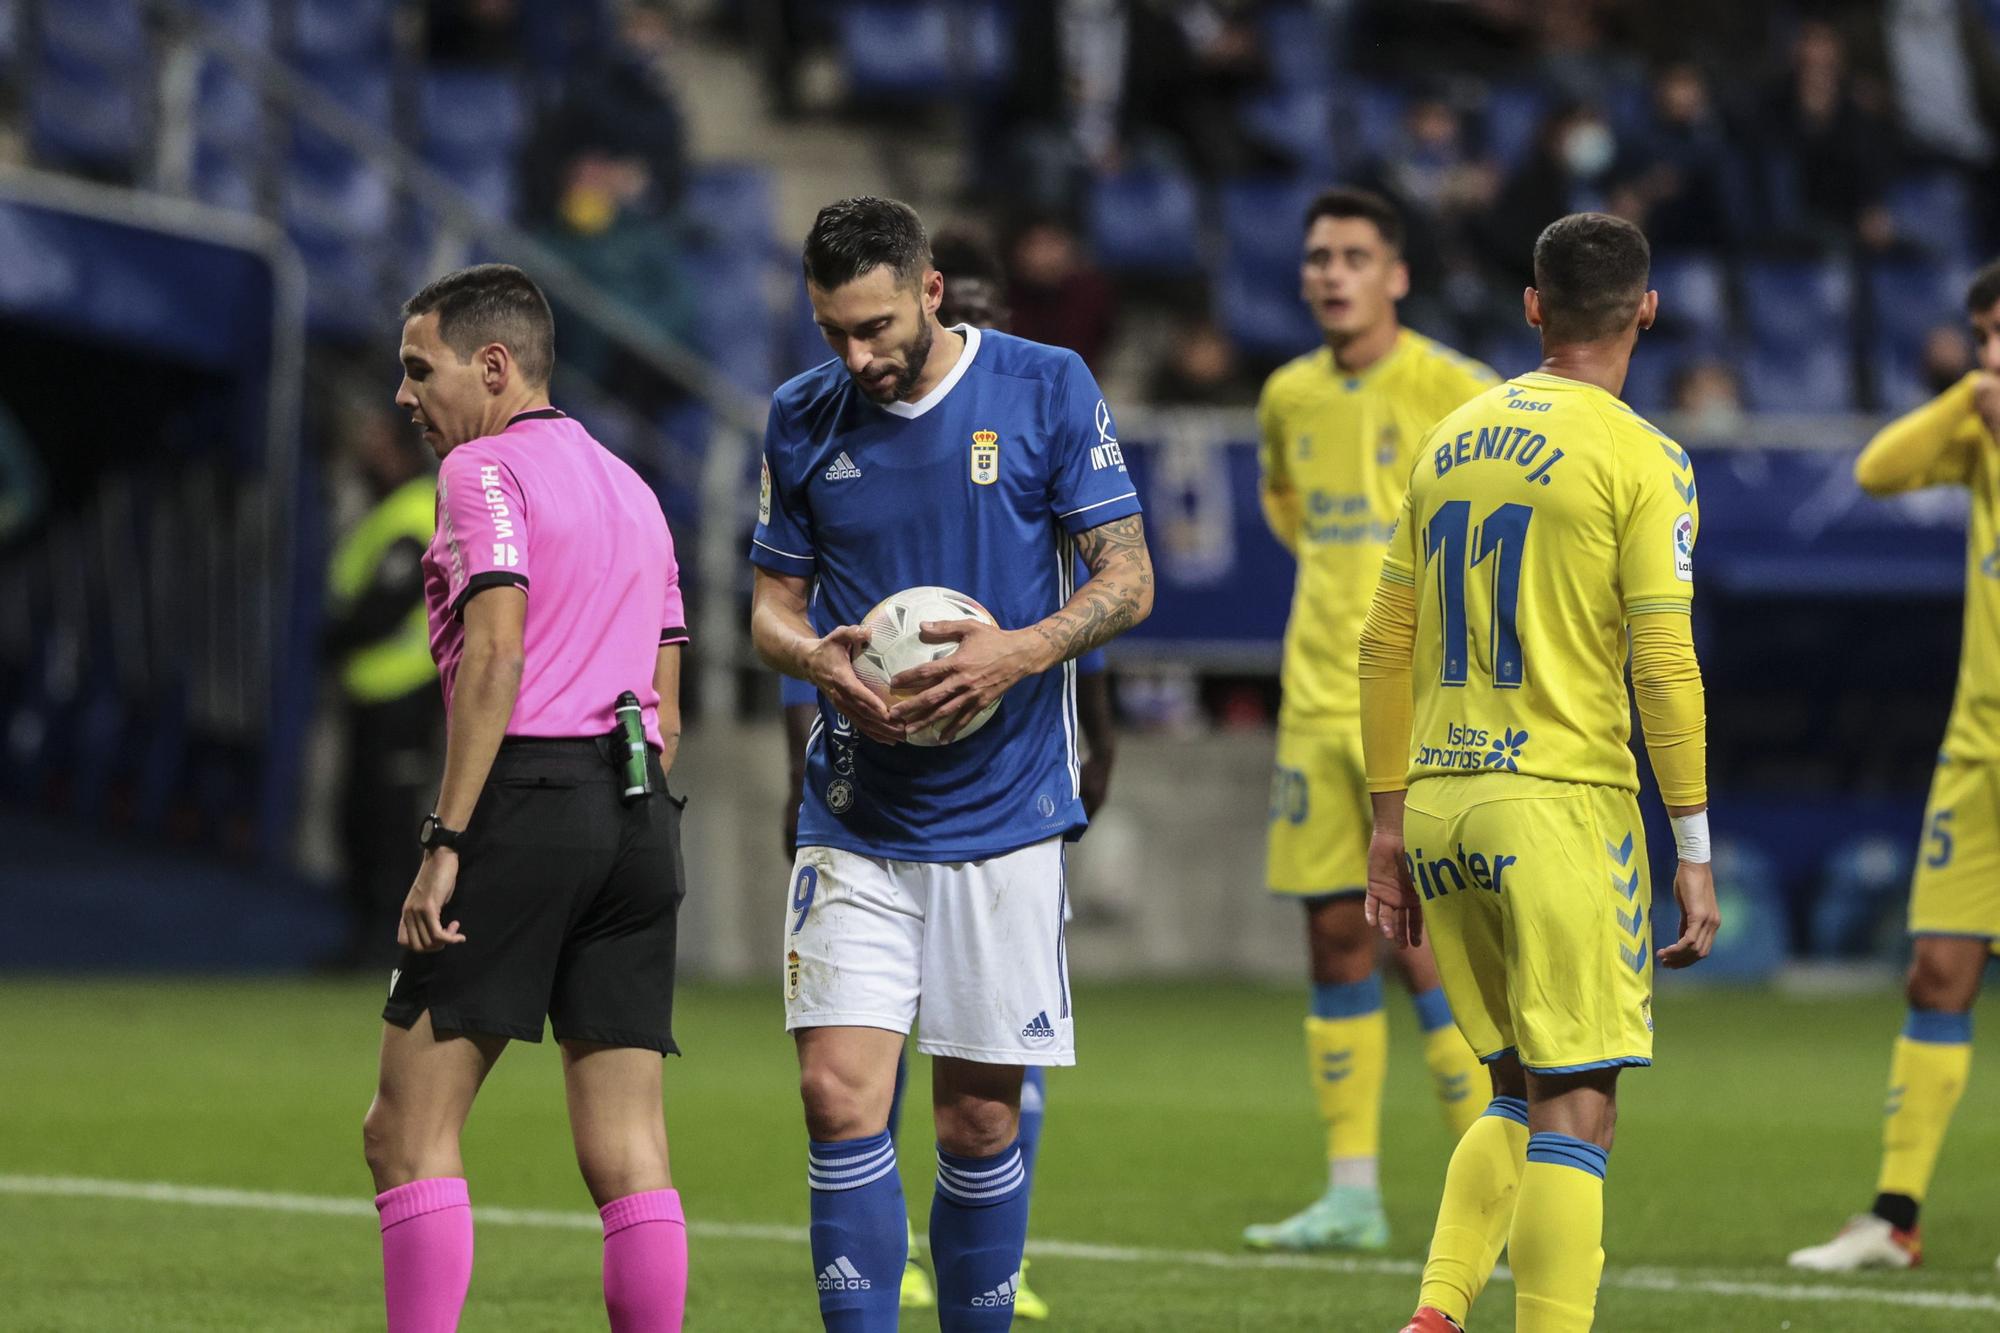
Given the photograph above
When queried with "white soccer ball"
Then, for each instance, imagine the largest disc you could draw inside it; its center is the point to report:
(895, 644)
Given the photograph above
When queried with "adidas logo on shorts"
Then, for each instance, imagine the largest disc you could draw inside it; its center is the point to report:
(999, 1296)
(843, 469)
(842, 1275)
(1039, 1028)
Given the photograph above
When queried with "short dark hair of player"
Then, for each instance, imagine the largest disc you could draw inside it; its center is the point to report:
(1347, 202)
(1590, 269)
(492, 303)
(859, 235)
(1985, 289)
(961, 252)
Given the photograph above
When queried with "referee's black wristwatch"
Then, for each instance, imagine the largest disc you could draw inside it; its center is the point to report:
(433, 834)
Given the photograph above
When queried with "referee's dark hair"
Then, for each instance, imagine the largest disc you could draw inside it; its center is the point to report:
(1348, 202)
(1985, 289)
(856, 236)
(1590, 270)
(492, 303)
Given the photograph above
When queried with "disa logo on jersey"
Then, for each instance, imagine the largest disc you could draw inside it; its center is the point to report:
(985, 457)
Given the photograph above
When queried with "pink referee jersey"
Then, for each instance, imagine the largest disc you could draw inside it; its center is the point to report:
(544, 507)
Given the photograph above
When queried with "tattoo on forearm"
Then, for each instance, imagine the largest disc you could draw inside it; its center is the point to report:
(1121, 576)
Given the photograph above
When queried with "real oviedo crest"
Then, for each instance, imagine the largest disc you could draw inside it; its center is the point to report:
(985, 457)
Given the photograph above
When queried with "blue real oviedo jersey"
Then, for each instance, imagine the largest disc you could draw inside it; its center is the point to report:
(980, 486)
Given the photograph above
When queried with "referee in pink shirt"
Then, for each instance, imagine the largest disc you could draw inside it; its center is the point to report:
(549, 888)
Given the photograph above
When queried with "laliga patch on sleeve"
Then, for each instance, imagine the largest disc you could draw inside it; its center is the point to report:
(764, 495)
(1684, 548)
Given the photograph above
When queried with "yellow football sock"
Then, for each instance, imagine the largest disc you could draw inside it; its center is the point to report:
(1460, 1080)
(1556, 1246)
(1926, 1077)
(1477, 1208)
(1348, 1061)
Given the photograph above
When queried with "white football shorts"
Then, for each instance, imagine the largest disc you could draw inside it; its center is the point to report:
(971, 953)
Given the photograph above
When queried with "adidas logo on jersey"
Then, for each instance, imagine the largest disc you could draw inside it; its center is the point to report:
(842, 1275)
(1039, 1027)
(843, 469)
(999, 1296)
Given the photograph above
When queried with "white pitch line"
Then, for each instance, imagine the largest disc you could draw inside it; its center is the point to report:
(1660, 1280)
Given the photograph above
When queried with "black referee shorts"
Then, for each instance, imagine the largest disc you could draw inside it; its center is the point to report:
(568, 900)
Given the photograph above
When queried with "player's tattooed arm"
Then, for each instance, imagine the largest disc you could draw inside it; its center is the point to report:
(1118, 595)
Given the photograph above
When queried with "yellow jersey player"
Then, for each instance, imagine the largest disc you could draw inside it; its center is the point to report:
(1339, 429)
(1547, 526)
(1955, 901)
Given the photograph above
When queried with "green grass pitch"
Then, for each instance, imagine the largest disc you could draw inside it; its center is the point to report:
(1188, 1117)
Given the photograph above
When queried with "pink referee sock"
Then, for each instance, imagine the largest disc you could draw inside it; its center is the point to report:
(645, 1262)
(426, 1253)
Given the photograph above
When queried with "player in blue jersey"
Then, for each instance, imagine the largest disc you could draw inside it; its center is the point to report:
(974, 293)
(929, 879)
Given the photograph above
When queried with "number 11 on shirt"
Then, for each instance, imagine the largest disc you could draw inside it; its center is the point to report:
(1502, 536)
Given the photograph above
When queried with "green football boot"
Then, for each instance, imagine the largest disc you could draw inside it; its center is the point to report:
(1346, 1217)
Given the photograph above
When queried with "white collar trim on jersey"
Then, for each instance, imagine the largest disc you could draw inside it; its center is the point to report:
(911, 411)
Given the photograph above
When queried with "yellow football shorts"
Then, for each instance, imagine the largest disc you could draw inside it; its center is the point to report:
(1320, 815)
(1535, 898)
(1956, 888)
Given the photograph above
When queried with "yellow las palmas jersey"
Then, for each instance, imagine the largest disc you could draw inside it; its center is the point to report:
(1336, 451)
(1945, 443)
(1541, 516)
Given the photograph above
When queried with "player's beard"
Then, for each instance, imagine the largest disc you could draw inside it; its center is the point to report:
(916, 353)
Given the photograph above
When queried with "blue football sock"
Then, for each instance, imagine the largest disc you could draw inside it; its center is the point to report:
(979, 1224)
(860, 1233)
(896, 1100)
(1433, 1010)
(1034, 1093)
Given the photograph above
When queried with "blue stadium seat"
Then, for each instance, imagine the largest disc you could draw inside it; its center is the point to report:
(248, 21)
(1816, 377)
(1797, 304)
(103, 32)
(744, 348)
(1649, 386)
(228, 114)
(1262, 221)
(1146, 220)
(1511, 115)
(1897, 369)
(492, 184)
(731, 204)
(342, 30)
(1693, 295)
(1263, 316)
(1299, 46)
(224, 180)
(1513, 352)
(1935, 212)
(1371, 119)
(909, 48)
(344, 293)
(1299, 120)
(472, 113)
(473, 121)
(1907, 298)
(85, 114)
(363, 90)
